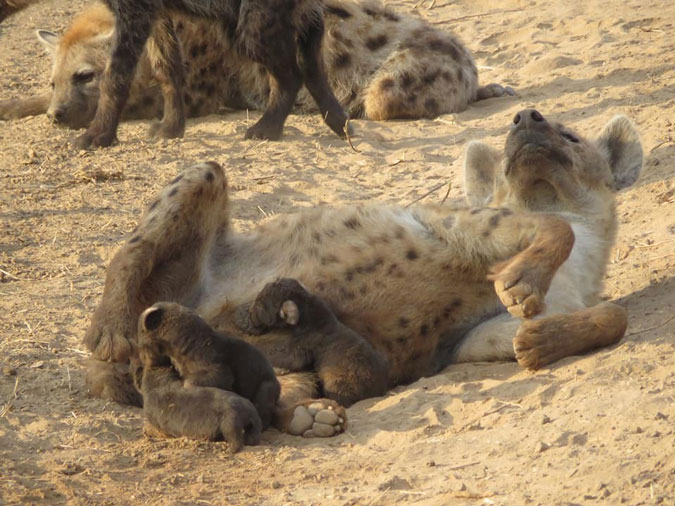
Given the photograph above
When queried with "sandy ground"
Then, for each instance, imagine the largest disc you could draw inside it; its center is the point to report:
(597, 429)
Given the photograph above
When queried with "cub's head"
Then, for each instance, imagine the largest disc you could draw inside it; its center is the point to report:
(79, 58)
(548, 167)
(168, 326)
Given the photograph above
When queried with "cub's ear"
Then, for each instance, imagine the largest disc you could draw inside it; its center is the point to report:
(49, 40)
(480, 167)
(151, 318)
(620, 143)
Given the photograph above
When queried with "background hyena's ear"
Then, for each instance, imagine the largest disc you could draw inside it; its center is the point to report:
(480, 166)
(152, 318)
(49, 40)
(620, 143)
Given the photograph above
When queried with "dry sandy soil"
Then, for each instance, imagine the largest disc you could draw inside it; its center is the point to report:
(597, 429)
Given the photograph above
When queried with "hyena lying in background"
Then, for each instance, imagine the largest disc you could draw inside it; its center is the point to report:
(381, 66)
(420, 288)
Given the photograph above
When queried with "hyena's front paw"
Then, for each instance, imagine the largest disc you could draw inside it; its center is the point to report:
(109, 338)
(521, 290)
(94, 139)
(318, 418)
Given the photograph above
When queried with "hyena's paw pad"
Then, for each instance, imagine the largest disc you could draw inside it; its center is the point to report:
(535, 345)
(519, 291)
(318, 418)
(277, 304)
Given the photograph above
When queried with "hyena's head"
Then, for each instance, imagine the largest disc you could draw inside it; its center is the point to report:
(548, 167)
(79, 59)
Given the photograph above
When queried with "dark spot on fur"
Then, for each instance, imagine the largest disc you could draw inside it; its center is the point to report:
(494, 220)
(403, 322)
(444, 47)
(349, 275)
(153, 205)
(437, 322)
(407, 80)
(537, 251)
(176, 179)
(209, 177)
(475, 210)
(400, 232)
(448, 221)
(447, 76)
(134, 239)
(506, 212)
(316, 237)
(391, 16)
(371, 267)
(485, 233)
(352, 223)
(412, 254)
(460, 75)
(375, 43)
(424, 330)
(173, 192)
(431, 77)
(347, 294)
(179, 26)
(338, 11)
(387, 84)
(401, 339)
(415, 356)
(329, 259)
(370, 11)
(431, 106)
(363, 289)
(187, 99)
(194, 52)
(342, 60)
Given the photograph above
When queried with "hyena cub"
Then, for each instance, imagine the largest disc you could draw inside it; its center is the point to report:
(207, 358)
(380, 64)
(318, 340)
(284, 36)
(174, 409)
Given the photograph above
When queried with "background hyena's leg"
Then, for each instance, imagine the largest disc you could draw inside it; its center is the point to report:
(316, 80)
(542, 341)
(9, 7)
(298, 407)
(270, 41)
(23, 107)
(133, 21)
(162, 260)
(167, 64)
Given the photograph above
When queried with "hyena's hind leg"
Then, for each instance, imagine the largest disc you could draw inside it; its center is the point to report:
(494, 90)
(316, 80)
(162, 260)
(167, 65)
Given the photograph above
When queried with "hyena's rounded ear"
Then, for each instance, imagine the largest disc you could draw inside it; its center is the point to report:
(151, 318)
(620, 143)
(49, 40)
(480, 168)
(105, 37)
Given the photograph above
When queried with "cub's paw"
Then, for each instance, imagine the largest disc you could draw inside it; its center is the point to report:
(536, 343)
(109, 340)
(318, 418)
(520, 290)
(277, 304)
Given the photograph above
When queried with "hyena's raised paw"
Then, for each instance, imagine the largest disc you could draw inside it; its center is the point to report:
(318, 418)
(520, 289)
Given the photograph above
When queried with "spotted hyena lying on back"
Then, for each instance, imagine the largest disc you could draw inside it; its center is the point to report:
(423, 287)
(381, 65)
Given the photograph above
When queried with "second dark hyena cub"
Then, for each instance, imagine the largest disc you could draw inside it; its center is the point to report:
(174, 409)
(349, 367)
(204, 357)
(284, 36)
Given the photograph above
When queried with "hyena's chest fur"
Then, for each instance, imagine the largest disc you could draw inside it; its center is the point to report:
(383, 275)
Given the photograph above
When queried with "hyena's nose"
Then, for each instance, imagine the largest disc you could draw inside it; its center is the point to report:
(528, 118)
(58, 115)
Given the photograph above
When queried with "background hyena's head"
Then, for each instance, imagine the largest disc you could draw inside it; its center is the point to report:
(79, 59)
(547, 166)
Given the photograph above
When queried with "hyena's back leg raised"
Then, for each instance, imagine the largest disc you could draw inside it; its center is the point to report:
(316, 80)
(163, 258)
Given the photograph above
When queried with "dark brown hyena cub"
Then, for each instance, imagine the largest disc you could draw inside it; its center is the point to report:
(284, 36)
(174, 409)
(206, 358)
(350, 369)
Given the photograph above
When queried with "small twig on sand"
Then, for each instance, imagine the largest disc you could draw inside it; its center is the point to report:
(349, 139)
(462, 466)
(10, 275)
(447, 193)
(651, 328)
(8, 404)
(471, 16)
(435, 188)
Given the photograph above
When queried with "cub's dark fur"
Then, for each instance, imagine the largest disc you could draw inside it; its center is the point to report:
(350, 368)
(204, 357)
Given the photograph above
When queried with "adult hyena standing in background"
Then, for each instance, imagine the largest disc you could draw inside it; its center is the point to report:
(381, 65)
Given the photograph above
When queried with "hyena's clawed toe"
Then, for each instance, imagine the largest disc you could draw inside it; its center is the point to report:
(163, 258)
